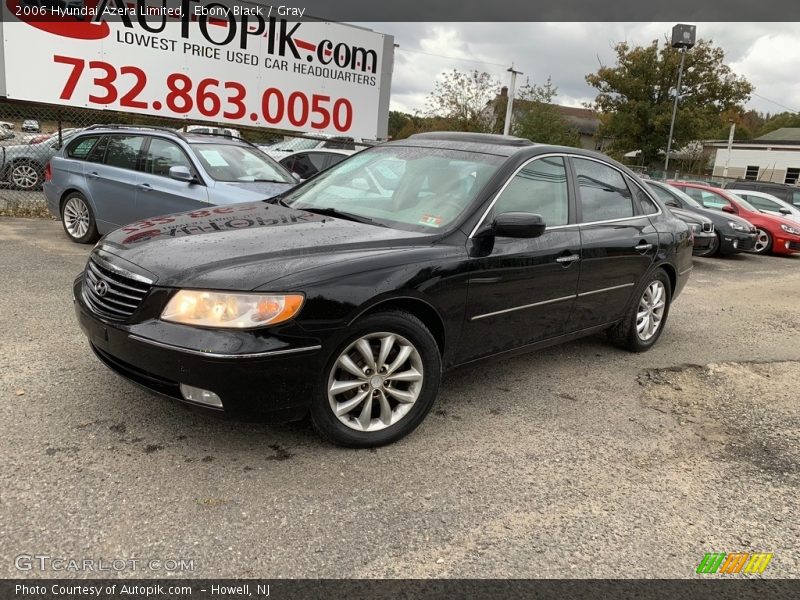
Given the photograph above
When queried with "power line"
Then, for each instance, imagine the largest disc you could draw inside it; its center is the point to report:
(482, 62)
(776, 103)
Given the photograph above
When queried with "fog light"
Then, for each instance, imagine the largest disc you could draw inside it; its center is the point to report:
(787, 244)
(735, 243)
(194, 394)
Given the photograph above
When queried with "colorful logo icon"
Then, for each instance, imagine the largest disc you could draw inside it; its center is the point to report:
(734, 562)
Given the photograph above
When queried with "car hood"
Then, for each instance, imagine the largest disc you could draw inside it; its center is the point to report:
(260, 189)
(687, 215)
(718, 217)
(246, 246)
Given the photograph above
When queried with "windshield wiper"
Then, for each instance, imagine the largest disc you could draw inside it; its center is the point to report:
(266, 181)
(333, 212)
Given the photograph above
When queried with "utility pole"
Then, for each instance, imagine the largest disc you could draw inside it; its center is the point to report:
(683, 37)
(510, 104)
(730, 147)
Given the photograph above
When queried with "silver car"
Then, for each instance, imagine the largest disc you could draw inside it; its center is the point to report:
(110, 176)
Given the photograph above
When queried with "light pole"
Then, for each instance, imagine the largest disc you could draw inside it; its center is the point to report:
(510, 104)
(683, 37)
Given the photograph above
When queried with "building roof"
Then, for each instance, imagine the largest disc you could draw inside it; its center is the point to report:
(585, 120)
(784, 134)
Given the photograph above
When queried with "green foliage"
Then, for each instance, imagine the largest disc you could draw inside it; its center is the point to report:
(637, 96)
(460, 100)
(784, 119)
(538, 119)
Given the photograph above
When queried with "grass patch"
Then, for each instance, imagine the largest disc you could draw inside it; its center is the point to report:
(36, 209)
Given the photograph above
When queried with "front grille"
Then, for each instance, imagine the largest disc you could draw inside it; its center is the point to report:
(708, 227)
(113, 292)
(794, 245)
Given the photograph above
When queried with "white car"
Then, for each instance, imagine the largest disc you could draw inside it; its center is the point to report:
(207, 129)
(769, 204)
(282, 149)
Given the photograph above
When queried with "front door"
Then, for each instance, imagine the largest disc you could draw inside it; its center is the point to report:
(522, 290)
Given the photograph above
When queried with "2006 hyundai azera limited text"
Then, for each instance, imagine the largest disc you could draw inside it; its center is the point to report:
(349, 295)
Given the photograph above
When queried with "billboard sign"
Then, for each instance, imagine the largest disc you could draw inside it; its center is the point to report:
(222, 61)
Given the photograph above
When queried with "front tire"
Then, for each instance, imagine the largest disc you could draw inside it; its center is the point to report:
(78, 220)
(379, 383)
(763, 242)
(646, 316)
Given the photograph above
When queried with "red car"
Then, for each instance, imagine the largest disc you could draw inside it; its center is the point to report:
(775, 234)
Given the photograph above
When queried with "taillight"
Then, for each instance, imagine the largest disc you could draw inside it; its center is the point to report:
(48, 172)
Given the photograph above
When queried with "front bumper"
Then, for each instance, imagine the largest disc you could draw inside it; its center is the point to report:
(273, 380)
(786, 244)
(703, 240)
(737, 241)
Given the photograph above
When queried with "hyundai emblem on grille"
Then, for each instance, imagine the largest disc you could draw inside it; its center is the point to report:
(101, 288)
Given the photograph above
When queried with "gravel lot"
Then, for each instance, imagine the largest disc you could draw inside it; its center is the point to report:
(578, 461)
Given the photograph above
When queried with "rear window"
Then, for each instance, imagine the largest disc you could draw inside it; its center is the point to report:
(79, 149)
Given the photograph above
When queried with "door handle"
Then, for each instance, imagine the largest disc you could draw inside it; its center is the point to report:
(568, 259)
(643, 247)
(145, 187)
(93, 174)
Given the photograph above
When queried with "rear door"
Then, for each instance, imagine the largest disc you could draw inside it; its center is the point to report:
(618, 243)
(157, 192)
(112, 178)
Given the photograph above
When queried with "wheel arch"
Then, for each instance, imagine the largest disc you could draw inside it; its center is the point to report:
(418, 307)
(671, 272)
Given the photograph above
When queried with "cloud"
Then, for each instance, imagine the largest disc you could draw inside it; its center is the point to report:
(765, 53)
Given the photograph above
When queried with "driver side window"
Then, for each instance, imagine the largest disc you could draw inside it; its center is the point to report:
(540, 187)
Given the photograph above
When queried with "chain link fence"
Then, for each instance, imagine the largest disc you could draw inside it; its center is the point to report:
(31, 134)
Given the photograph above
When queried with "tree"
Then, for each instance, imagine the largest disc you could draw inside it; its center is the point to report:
(459, 101)
(537, 118)
(637, 95)
(784, 119)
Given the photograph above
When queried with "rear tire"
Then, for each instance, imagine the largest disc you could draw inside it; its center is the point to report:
(646, 315)
(26, 176)
(379, 382)
(78, 220)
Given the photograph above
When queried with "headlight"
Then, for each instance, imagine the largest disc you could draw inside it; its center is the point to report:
(738, 226)
(790, 229)
(235, 311)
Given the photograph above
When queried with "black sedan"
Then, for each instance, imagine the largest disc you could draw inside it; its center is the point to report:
(733, 234)
(350, 304)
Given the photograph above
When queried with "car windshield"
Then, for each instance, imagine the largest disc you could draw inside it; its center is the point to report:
(415, 189)
(684, 196)
(294, 145)
(233, 162)
(744, 203)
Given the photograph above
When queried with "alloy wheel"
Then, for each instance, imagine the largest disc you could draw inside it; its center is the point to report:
(76, 217)
(24, 176)
(375, 381)
(651, 310)
(762, 241)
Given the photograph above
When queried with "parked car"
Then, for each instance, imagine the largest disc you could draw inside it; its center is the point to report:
(6, 134)
(787, 193)
(774, 234)
(31, 125)
(23, 165)
(351, 306)
(733, 233)
(304, 164)
(282, 149)
(702, 228)
(109, 176)
(6, 125)
(38, 139)
(769, 204)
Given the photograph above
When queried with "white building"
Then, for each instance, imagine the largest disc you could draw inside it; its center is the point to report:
(771, 157)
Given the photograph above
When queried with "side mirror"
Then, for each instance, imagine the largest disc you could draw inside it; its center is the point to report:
(518, 225)
(181, 174)
(729, 209)
(785, 211)
(297, 176)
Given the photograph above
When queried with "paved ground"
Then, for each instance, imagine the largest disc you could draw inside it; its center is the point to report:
(579, 461)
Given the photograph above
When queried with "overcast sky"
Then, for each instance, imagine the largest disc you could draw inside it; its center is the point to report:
(768, 54)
